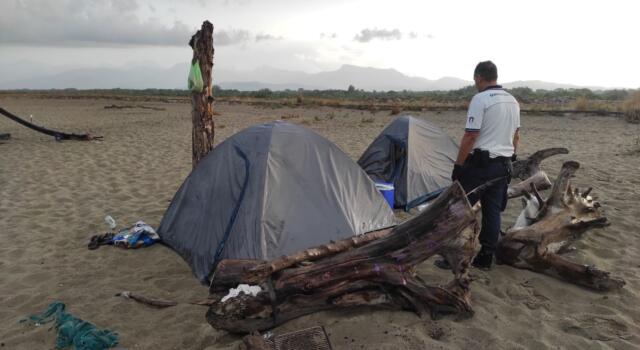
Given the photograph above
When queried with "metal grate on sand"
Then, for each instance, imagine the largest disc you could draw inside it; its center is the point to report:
(314, 338)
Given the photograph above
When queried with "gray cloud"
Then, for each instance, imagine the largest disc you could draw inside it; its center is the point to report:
(367, 35)
(413, 35)
(230, 37)
(102, 22)
(77, 21)
(234, 2)
(266, 37)
(328, 35)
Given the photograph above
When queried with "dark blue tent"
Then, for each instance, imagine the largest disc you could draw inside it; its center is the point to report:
(267, 191)
(413, 154)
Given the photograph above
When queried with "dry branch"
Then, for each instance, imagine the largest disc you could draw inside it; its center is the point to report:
(540, 180)
(528, 170)
(59, 135)
(160, 303)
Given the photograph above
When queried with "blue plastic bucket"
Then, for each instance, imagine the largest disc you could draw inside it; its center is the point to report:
(387, 191)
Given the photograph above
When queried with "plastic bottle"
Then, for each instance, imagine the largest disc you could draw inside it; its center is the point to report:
(110, 221)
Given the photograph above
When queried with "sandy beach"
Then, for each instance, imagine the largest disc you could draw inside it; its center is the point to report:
(55, 195)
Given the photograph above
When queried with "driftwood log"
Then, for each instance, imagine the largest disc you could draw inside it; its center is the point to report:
(202, 102)
(59, 135)
(529, 172)
(526, 168)
(550, 227)
(364, 270)
(159, 303)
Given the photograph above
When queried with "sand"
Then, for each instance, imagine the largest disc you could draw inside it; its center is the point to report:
(54, 196)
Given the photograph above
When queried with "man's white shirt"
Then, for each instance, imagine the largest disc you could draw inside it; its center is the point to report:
(495, 114)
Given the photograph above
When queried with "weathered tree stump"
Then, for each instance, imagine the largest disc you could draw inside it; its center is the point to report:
(202, 102)
(557, 221)
(364, 270)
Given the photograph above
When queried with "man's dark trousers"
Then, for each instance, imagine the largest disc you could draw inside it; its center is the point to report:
(493, 198)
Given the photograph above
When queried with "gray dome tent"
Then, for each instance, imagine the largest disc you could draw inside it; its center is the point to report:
(270, 190)
(413, 154)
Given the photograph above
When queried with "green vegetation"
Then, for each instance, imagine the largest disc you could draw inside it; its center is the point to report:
(523, 94)
(102, 92)
(556, 101)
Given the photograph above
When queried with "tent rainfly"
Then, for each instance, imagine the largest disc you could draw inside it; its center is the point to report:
(414, 155)
(267, 191)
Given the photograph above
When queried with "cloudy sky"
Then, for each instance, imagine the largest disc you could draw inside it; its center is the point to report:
(590, 43)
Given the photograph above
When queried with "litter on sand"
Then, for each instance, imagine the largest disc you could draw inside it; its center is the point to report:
(72, 331)
(242, 288)
(135, 236)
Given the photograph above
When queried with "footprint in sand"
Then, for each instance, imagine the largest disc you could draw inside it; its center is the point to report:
(529, 295)
(595, 327)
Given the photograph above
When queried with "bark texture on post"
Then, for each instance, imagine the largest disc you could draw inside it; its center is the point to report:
(202, 102)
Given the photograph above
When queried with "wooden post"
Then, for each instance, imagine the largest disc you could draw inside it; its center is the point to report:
(202, 102)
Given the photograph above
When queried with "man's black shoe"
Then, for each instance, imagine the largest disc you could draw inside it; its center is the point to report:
(483, 261)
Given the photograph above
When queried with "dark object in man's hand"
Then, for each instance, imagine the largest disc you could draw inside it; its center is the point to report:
(457, 172)
(514, 157)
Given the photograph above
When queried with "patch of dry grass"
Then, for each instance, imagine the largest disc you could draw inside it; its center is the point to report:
(631, 108)
(584, 104)
(290, 116)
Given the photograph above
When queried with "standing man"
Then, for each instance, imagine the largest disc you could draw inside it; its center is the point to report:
(486, 150)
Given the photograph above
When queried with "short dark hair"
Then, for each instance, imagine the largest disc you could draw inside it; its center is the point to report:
(487, 70)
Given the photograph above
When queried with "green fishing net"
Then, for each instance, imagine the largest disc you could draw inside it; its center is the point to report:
(195, 82)
(73, 331)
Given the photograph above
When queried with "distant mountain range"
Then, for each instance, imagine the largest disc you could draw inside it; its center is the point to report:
(26, 75)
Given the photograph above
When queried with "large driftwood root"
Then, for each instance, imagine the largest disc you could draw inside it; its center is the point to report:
(525, 168)
(557, 221)
(365, 270)
(529, 172)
